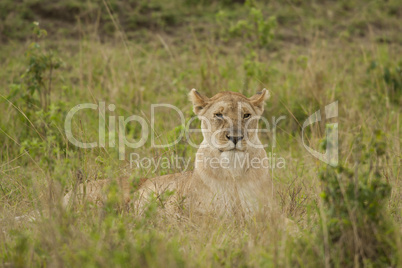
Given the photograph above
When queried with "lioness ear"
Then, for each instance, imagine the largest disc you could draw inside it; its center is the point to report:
(199, 101)
(258, 100)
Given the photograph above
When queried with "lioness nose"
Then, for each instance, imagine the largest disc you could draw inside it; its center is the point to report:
(234, 139)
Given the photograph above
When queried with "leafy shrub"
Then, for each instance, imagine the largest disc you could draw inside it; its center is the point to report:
(257, 32)
(40, 118)
(389, 76)
(359, 229)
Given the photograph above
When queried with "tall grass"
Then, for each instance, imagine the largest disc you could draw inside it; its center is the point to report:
(350, 216)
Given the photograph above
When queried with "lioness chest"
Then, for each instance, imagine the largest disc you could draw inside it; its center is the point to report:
(204, 193)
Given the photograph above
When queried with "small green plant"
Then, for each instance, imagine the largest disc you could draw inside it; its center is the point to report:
(40, 119)
(255, 29)
(359, 229)
(390, 76)
(33, 94)
(257, 32)
(38, 76)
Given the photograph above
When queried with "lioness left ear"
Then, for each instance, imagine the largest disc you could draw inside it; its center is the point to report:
(258, 100)
(199, 101)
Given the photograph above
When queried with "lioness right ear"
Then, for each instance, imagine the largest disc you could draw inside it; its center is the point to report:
(258, 100)
(199, 101)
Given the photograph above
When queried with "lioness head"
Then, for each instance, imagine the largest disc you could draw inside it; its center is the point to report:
(229, 120)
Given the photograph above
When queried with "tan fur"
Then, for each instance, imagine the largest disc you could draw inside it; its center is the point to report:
(232, 189)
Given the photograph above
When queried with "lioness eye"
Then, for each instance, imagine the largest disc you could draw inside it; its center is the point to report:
(245, 116)
(219, 115)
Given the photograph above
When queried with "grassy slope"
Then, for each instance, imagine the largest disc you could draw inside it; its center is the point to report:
(320, 53)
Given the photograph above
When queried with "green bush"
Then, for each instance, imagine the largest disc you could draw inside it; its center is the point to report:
(360, 230)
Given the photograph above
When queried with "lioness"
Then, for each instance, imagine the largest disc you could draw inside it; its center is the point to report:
(231, 173)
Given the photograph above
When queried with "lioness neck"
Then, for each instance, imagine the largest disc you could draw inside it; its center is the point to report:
(231, 166)
(229, 179)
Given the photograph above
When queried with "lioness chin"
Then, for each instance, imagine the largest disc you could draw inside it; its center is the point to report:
(223, 180)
